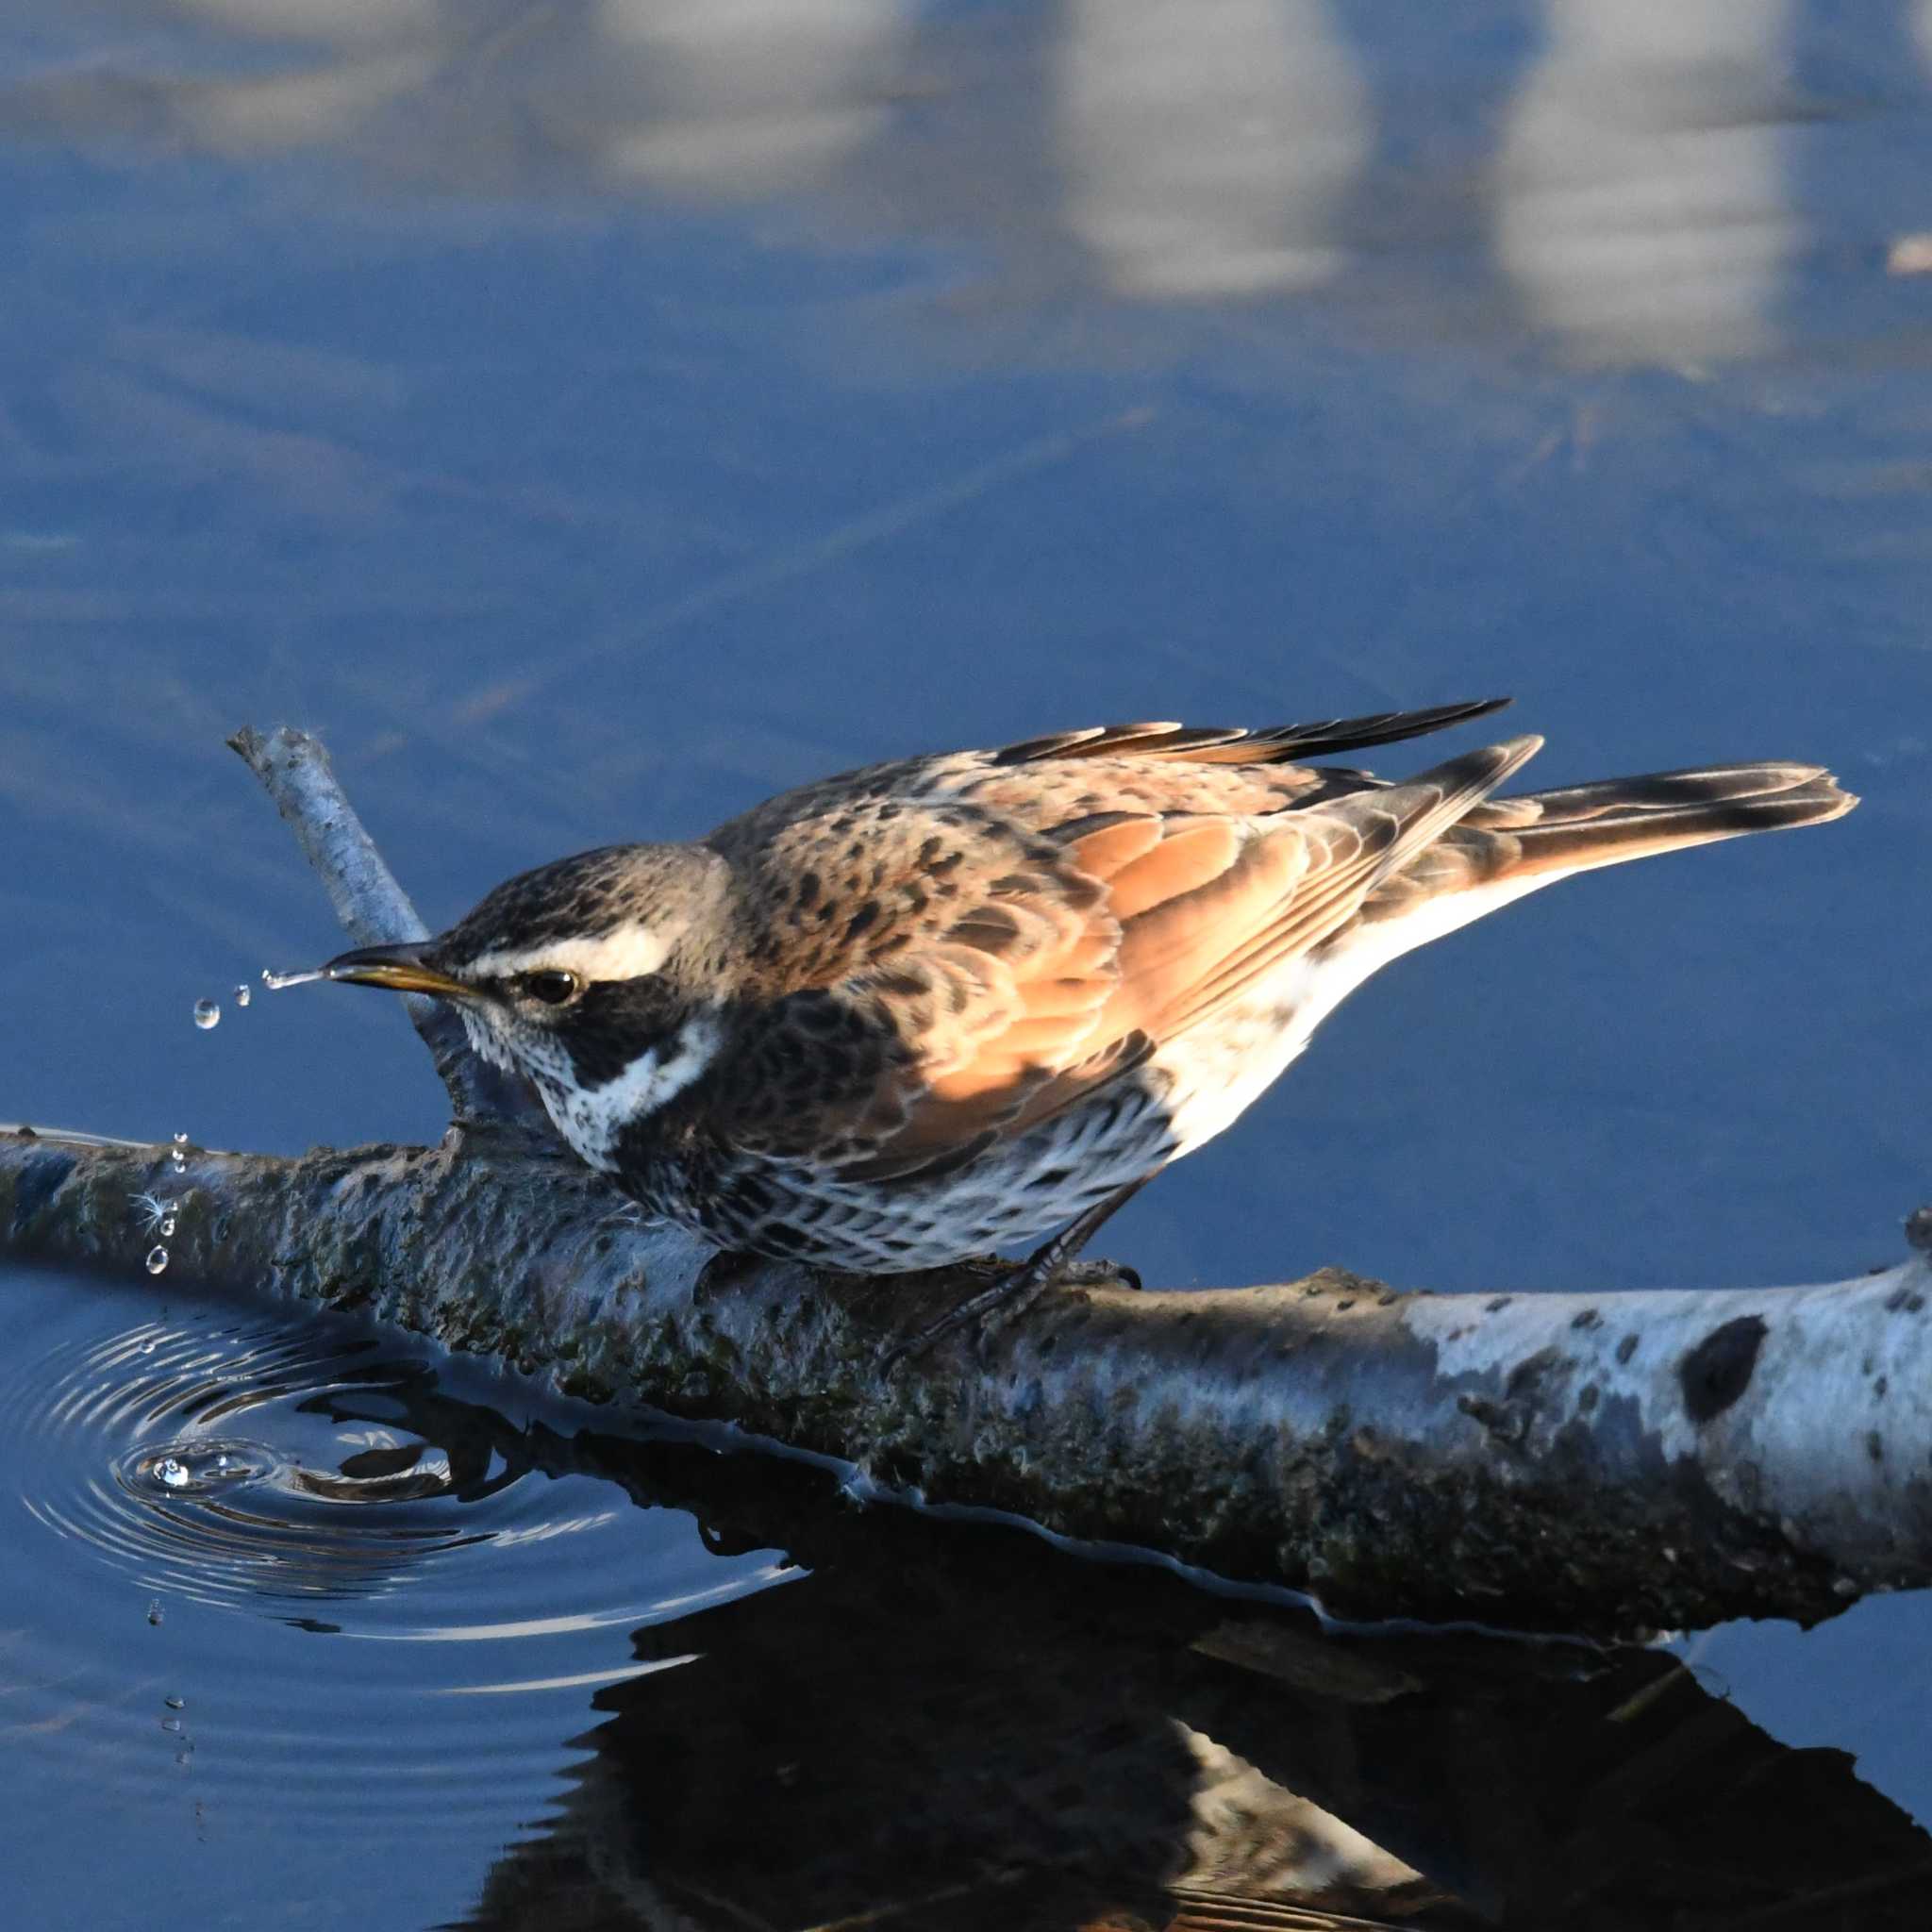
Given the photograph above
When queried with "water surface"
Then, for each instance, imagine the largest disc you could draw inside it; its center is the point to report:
(592, 417)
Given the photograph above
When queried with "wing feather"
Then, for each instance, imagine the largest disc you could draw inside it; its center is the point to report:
(1231, 746)
(1068, 986)
(1034, 923)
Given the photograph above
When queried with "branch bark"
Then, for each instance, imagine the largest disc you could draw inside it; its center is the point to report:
(1595, 1463)
(373, 909)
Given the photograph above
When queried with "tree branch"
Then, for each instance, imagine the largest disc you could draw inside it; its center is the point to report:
(373, 909)
(1598, 1463)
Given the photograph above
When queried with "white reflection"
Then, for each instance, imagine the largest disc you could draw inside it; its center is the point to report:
(300, 109)
(1206, 147)
(1641, 195)
(516, 1687)
(1911, 255)
(759, 95)
(659, 1609)
(386, 51)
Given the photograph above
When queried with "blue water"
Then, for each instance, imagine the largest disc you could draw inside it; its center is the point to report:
(591, 418)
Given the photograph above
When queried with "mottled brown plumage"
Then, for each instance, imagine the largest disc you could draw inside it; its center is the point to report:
(906, 1013)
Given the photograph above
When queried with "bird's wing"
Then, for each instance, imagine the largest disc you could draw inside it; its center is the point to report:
(1064, 968)
(1214, 744)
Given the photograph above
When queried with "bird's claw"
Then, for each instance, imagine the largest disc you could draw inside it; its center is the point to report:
(997, 1308)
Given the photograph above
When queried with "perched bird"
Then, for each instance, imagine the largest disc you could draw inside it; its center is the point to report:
(900, 1016)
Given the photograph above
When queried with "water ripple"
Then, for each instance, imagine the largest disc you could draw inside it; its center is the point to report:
(248, 1461)
(209, 1491)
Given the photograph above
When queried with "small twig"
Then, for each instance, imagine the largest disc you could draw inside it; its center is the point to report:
(375, 910)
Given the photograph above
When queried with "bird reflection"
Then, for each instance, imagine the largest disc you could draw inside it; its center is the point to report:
(953, 1724)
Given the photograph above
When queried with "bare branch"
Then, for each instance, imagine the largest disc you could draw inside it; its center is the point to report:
(375, 910)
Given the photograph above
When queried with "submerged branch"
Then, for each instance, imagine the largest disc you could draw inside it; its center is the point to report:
(1598, 1463)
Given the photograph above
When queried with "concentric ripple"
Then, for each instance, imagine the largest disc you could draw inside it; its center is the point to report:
(226, 1461)
(293, 1462)
(241, 1552)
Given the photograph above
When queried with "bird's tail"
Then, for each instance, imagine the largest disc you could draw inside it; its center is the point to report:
(1579, 826)
(1505, 846)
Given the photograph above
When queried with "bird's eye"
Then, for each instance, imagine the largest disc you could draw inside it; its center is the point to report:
(555, 988)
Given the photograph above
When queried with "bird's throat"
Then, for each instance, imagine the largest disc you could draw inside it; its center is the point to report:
(592, 1118)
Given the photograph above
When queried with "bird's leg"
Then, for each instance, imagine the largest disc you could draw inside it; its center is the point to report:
(1021, 1284)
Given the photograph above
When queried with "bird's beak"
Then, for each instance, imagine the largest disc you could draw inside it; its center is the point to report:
(401, 968)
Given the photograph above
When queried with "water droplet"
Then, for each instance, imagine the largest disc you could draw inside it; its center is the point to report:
(275, 981)
(242, 995)
(157, 1259)
(154, 1609)
(147, 1347)
(206, 1014)
(171, 1723)
(181, 1140)
(176, 1703)
(168, 1225)
(197, 1467)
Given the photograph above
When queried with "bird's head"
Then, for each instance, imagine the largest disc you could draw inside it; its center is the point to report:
(599, 977)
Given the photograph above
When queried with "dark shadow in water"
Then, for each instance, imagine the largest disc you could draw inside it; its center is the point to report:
(954, 1726)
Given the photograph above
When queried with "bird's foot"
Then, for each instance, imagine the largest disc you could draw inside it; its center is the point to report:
(1099, 1275)
(1009, 1296)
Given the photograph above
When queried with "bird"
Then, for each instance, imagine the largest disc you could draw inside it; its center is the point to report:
(974, 1000)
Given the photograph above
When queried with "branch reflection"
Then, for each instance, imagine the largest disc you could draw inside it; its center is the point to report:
(954, 1726)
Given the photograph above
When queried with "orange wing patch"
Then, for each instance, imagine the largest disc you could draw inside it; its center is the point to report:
(1000, 1006)
(1052, 1015)
(1062, 978)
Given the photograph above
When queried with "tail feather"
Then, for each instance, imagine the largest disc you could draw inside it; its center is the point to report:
(1523, 842)
(1582, 826)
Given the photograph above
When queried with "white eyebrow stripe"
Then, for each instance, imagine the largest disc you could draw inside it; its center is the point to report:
(628, 952)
